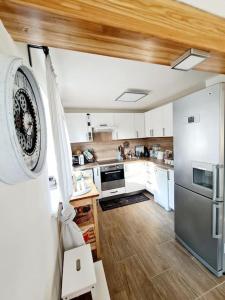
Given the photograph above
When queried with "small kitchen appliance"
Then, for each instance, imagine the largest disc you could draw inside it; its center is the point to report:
(154, 151)
(75, 160)
(139, 150)
(160, 155)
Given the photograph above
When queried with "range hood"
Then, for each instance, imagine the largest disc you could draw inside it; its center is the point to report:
(103, 128)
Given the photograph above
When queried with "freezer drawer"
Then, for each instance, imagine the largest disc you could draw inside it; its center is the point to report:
(198, 223)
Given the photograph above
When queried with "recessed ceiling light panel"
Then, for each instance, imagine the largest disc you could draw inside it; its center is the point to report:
(189, 60)
(132, 95)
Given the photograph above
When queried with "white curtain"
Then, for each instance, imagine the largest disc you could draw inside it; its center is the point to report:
(71, 234)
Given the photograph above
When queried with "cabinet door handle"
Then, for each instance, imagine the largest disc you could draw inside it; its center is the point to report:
(137, 133)
(163, 131)
(117, 135)
(152, 132)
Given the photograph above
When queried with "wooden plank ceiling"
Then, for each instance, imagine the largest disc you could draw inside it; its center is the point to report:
(156, 31)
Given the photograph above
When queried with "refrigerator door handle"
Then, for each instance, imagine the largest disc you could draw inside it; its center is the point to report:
(216, 228)
(217, 183)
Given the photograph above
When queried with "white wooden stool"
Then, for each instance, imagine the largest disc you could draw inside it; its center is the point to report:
(81, 275)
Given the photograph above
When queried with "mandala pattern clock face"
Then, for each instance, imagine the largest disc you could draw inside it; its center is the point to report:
(23, 138)
(26, 120)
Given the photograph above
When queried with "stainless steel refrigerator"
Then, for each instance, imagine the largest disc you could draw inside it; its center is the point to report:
(199, 175)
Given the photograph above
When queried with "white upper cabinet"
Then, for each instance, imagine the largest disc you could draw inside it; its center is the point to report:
(167, 119)
(77, 127)
(153, 123)
(124, 126)
(148, 123)
(159, 121)
(139, 125)
(102, 120)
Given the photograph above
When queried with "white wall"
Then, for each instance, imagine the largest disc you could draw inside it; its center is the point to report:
(28, 232)
(38, 63)
(216, 7)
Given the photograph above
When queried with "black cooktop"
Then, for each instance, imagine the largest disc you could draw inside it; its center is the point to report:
(109, 162)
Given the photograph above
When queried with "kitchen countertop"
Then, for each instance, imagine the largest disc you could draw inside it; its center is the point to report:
(93, 193)
(157, 162)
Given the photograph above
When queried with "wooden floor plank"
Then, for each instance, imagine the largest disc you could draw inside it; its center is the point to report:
(138, 285)
(185, 270)
(142, 259)
(216, 294)
(113, 271)
(172, 285)
(153, 261)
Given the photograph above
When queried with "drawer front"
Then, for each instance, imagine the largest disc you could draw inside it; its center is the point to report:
(113, 192)
(150, 187)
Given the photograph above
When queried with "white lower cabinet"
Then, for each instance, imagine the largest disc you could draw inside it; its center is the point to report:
(135, 176)
(143, 176)
(171, 188)
(150, 177)
(161, 190)
(160, 183)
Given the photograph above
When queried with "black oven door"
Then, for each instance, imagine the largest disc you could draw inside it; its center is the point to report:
(112, 177)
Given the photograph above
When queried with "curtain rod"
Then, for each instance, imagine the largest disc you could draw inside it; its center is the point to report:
(29, 46)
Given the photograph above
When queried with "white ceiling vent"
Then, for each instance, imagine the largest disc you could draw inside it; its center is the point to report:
(132, 95)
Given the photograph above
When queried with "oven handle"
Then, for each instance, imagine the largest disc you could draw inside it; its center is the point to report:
(112, 172)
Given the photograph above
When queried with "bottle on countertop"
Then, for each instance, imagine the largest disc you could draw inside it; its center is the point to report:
(81, 159)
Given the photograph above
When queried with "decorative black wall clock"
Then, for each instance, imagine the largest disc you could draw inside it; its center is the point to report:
(22, 123)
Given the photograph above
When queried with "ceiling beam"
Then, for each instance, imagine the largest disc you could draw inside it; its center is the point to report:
(146, 30)
(166, 19)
